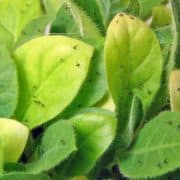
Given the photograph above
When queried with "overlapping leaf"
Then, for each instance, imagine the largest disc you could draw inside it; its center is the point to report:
(16, 14)
(8, 84)
(51, 72)
(129, 68)
(58, 142)
(95, 131)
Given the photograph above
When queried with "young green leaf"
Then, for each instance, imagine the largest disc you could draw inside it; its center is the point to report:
(72, 21)
(95, 131)
(146, 6)
(8, 84)
(58, 142)
(161, 16)
(174, 89)
(23, 176)
(14, 15)
(95, 86)
(51, 72)
(156, 149)
(13, 138)
(129, 68)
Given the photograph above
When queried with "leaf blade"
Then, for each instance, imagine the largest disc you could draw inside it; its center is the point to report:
(41, 74)
(158, 151)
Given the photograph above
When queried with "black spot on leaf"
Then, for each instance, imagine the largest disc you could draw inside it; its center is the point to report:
(78, 65)
(170, 123)
(75, 46)
(165, 161)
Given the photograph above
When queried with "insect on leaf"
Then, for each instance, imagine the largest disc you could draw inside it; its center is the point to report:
(51, 72)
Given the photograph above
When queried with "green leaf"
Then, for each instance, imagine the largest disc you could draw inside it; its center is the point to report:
(164, 34)
(156, 149)
(6, 37)
(129, 69)
(52, 6)
(1, 159)
(95, 86)
(51, 72)
(175, 53)
(35, 28)
(174, 90)
(8, 84)
(146, 6)
(72, 21)
(95, 131)
(118, 6)
(13, 138)
(93, 9)
(14, 15)
(106, 103)
(58, 142)
(161, 16)
(23, 176)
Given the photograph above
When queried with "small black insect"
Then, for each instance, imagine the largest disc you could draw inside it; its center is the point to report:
(165, 161)
(63, 142)
(39, 102)
(75, 46)
(140, 162)
(170, 123)
(97, 73)
(35, 87)
(149, 92)
(79, 106)
(121, 14)
(121, 67)
(78, 65)
(159, 165)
